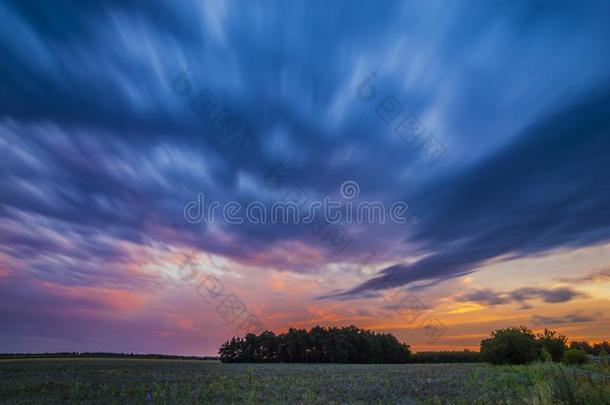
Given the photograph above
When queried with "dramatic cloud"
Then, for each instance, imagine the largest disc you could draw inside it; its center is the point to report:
(542, 192)
(522, 295)
(556, 320)
(101, 146)
(595, 277)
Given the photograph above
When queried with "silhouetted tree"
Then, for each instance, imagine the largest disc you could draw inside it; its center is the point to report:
(552, 343)
(582, 345)
(513, 345)
(318, 345)
(268, 347)
(599, 347)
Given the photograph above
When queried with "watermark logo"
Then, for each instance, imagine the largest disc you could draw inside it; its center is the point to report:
(226, 126)
(409, 307)
(226, 303)
(409, 128)
(350, 189)
(300, 210)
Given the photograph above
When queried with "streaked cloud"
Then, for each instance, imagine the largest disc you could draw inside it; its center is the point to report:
(557, 320)
(99, 157)
(488, 296)
(600, 276)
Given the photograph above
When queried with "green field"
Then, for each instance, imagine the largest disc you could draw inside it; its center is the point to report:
(183, 381)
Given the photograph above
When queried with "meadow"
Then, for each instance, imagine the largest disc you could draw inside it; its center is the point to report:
(141, 381)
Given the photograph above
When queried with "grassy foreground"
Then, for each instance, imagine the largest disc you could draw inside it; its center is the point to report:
(182, 381)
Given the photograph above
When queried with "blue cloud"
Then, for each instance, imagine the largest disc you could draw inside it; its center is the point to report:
(544, 191)
(95, 139)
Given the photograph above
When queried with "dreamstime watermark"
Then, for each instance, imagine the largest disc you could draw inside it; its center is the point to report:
(411, 309)
(321, 217)
(290, 212)
(334, 235)
(226, 303)
(228, 129)
(225, 125)
(408, 128)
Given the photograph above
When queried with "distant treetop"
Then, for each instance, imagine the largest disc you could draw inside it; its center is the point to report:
(318, 345)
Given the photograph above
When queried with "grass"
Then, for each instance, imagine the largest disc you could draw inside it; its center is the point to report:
(602, 366)
(546, 383)
(141, 381)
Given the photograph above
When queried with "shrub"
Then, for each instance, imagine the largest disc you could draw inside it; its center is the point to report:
(545, 355)
(582, 345)
(598, 347)
(514, 345)
(538, 383)
(554, 384)
(552, 345)
(603, 353)
(575, 356)
(557, 384)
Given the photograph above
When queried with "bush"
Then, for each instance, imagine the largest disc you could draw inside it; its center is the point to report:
(598, 347)
(545, 355)
(539, 383)
(557, 384)
(514, 345)
(582, 345)
(554, 384)
(552, 345)
(575, 356)
(603, 353)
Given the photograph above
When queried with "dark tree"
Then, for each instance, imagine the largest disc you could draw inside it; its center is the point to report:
(552, 344)
(598, 348)
(575, 356)
(268, 351)
(582, 345)
(318, 345)
(513, 345)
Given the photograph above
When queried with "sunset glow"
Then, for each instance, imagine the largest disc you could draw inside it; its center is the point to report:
(491, 124)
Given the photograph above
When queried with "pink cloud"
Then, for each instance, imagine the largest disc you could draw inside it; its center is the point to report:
(108, 298)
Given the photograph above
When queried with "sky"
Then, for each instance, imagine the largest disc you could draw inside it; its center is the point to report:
(490, 121)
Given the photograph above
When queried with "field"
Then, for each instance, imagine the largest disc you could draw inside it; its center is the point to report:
(182, 381)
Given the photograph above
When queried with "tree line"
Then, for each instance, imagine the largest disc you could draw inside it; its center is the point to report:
(512, 345)
(596, 349)
(318, 345)
(104, 355)
(520, 345)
